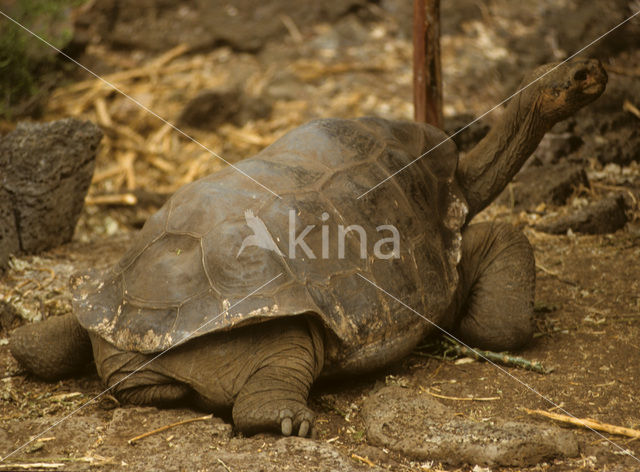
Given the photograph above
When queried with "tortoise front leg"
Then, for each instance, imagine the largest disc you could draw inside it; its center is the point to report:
(494, 303)
(52, 349)
(274, 397)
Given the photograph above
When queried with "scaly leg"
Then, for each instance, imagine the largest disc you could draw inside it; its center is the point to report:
(274, 397)
(494, 303)
(51, 349)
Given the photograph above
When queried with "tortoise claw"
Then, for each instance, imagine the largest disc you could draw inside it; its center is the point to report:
(287, 426)
(304, 429)
(287, 423)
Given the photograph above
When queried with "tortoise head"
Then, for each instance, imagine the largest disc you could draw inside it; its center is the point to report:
(550, 93)
(566, 88)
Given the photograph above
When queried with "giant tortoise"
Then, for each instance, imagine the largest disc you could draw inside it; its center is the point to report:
(232, 297)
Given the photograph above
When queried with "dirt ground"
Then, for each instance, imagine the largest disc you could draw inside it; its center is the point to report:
(588, 286)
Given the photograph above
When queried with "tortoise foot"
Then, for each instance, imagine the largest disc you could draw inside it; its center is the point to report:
(52, 349)
(286, 417)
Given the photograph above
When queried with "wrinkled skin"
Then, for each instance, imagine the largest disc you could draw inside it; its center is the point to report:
(264, 372)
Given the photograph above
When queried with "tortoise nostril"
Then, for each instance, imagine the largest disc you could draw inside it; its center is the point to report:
(580, 75)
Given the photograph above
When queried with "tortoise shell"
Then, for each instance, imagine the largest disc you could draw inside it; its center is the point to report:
(188, 272)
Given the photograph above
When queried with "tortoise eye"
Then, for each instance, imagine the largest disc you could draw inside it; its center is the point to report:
(580, 75)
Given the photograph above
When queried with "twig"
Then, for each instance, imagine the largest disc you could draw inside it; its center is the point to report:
(554, 274)
(631, 108)
(546, 271)
(32, 466)
(104, 118)
(127, 199)
(123, 131)
(157, 137)
(169, 426)
(499, 357)
(363, 459)
(436, 372)
(310, 70)
(587, 423)
(106, 174)
(466, 399)
(618, 188)
(126, 160)
(292, 28)
(61, 397)
(170, 55)
(220, 461)
(99, 89)
(160, 163)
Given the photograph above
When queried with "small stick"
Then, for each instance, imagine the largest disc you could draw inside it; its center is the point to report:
(363, 459)
(63, 397)
(126, 160)
(32, 466)
(587, 423)
(465, 399)
(160, 163)
(106, 174)
(554, 274)
(82, 103)
(546, 271)
(170, 55)
(220, 461)
(311, 71)
(127, 199)
(104, 118)
(292, 28)
(157, 137)
(125, 132)
(169, 426)
(631, 108)
(499, 357)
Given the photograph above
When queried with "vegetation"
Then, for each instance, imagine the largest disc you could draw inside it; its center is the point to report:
(26, 62)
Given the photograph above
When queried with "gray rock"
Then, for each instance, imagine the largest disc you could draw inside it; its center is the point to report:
(9, 241)
(292, 453)
(601, 217)
(419, 426)
(45, 172)
(556, 147)
(551, 184)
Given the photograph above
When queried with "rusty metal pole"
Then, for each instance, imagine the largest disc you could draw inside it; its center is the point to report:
(427, 69)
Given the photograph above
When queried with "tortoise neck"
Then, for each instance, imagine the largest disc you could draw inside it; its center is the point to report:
(487, 168)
